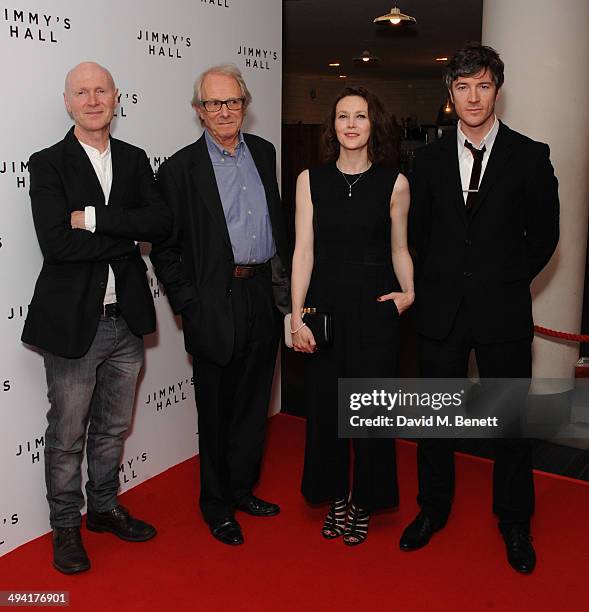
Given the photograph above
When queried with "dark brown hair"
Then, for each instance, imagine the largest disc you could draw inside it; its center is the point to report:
(382, 146)
(472, 59)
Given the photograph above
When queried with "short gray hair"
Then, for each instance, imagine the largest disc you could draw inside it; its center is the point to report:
(230, 70)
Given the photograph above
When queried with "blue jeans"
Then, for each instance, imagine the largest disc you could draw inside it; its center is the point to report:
(95, 391)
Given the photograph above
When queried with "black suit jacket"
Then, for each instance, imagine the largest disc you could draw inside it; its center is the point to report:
(195, 264)
(490, 256)
(65, 309)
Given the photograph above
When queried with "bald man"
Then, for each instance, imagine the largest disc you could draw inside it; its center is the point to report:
(93, 197)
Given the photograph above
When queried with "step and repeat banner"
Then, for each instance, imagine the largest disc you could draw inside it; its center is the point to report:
(155, 50)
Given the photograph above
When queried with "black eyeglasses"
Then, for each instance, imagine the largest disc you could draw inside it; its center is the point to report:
(214, 106)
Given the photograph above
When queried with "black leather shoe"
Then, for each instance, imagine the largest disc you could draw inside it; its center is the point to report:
(228, 531)
(258, 507)
(418, 533)
(121, 523)
(69, 555)
(520, 552)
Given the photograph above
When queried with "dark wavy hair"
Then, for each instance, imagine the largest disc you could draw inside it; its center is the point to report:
(472, 59)
(382, 145)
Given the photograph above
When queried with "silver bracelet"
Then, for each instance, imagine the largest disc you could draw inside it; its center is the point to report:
(298, 329)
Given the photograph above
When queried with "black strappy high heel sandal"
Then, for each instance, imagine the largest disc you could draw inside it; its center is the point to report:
(356, 530)
(335, 521)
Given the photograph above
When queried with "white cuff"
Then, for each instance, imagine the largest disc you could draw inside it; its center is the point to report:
(90, 218)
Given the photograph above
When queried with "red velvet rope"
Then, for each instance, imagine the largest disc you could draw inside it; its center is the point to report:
(557, 334)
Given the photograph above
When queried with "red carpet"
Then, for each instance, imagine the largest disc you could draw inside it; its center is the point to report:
(285, 564)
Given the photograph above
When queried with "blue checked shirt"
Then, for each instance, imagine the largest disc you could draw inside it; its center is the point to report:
(244, 202)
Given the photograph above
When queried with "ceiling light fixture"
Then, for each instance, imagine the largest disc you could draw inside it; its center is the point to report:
(343, 76)
(367, 57)
(446, 115)
(395, 17)
(441, 59)
(334, 65)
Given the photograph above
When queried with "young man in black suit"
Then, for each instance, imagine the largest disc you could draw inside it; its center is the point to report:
(92, 197)
(485, 211)
(225, 271)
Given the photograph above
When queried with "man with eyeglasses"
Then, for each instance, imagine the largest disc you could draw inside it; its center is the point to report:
(224, 270)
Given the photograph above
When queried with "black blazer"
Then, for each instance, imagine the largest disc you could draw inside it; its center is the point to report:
(195, 264)
(65, 309)
(489, 257)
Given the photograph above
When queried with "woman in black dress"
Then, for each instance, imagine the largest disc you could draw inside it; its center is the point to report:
(351, 260)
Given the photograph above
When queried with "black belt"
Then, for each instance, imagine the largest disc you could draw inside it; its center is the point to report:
(112, 310)
(249, 270)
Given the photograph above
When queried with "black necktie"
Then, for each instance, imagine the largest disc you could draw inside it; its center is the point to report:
(475, 175)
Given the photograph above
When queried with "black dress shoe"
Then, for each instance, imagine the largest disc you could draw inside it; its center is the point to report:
(121, 523)
(418, 533)
(258, 507)
(520, 552)
(69, 555)
(228, 531)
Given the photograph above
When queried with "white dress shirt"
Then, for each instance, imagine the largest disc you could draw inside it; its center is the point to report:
(102, 164)
(466, 159)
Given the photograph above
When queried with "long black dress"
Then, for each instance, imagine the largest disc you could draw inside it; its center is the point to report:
(352, 267)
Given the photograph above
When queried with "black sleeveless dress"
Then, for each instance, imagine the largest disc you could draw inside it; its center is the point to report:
(352, 267)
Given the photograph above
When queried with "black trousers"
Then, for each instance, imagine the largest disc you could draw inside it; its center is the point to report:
(326, 472)
(233, 401)
(513, 485)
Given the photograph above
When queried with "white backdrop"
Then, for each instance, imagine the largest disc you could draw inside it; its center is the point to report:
(154, 50)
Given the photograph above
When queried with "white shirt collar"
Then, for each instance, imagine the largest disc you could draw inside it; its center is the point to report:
(95, 152)
(487, 141)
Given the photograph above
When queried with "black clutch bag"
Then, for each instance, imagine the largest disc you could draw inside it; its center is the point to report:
(321, 325)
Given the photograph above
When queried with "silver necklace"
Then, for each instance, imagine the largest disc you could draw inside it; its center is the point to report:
(350, 185)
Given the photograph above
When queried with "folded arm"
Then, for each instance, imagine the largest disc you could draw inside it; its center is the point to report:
(149, 221)
(59, 242)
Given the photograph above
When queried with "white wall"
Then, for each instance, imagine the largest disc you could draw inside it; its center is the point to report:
(550, 105)
(39, 43)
